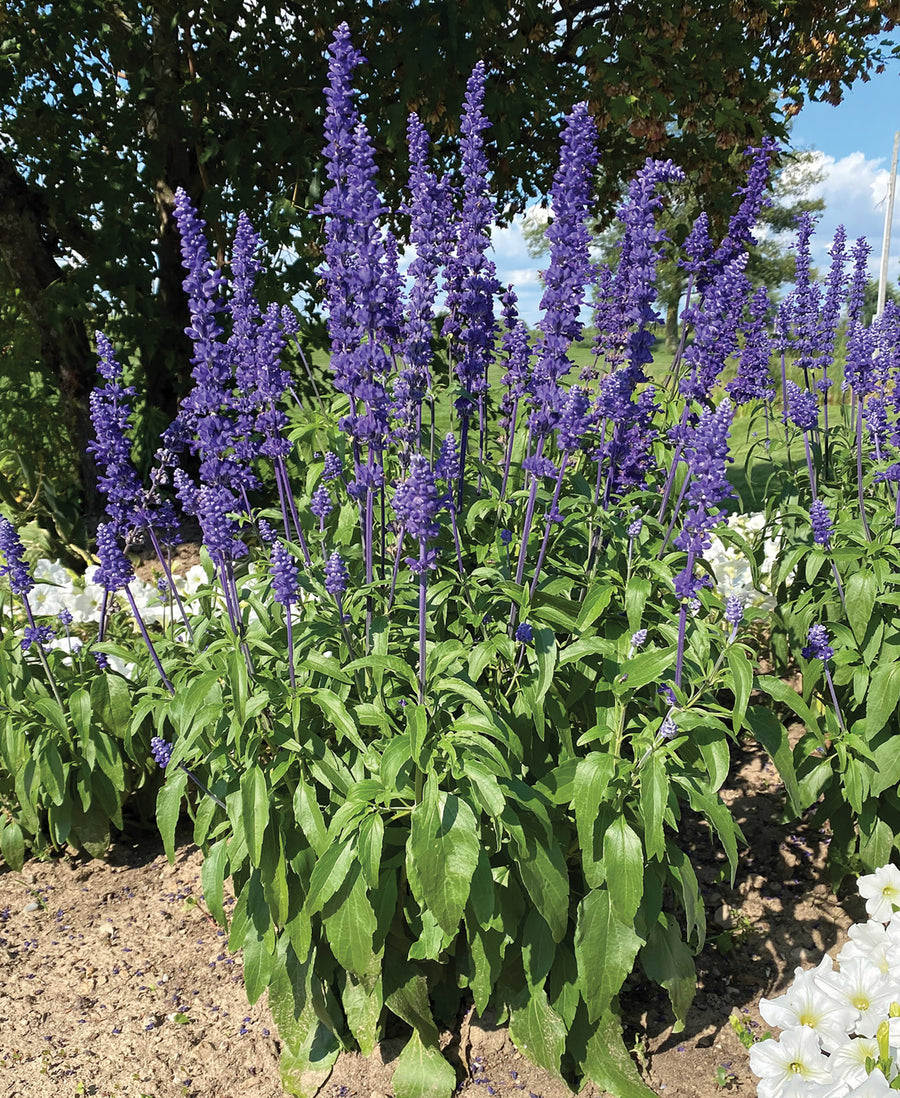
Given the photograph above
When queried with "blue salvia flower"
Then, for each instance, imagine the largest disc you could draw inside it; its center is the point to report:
(333, 467)
(707, 457)
(742, 223)
(336, 578)
(283, 568)
(638, 639)
(321, 505)
(110, 412)
(734, 611)
(525, 633)
(20, 580)
(716, 323)
(429, 211)
(36, 634)
(754, 380)
(818, 647)
(470, 277)
(625, 302)
(821, 524)
(806, 297)
(570, 269)
(802, 407)
(416, 502)
(835, 290)
(161, 751)
(115, 571)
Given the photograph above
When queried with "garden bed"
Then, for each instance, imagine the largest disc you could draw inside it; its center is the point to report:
(115, 982)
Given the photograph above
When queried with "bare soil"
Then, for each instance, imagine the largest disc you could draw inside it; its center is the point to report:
(115, 982)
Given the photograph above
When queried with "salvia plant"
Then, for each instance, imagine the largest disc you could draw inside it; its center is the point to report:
(446, 698)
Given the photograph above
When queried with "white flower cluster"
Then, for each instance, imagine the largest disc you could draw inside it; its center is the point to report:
(841, 1026)
(732, 569)
(56, 589)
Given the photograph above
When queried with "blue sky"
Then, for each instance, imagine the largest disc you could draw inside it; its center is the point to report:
(853, 141)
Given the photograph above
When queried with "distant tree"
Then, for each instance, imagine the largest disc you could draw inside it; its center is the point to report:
(107, 106)
(870, 301)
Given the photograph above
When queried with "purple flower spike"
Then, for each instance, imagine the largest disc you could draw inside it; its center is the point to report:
(321, 503)
(161, 752)
(20, 581)
(284, 575)
(525, 633)
(638, 639)
(333, 467)
(820, 521)
(115, 569)
(336, 578)
(818, 647)
(802, 407)
(36, 634)
(734, 611)
(416, 502)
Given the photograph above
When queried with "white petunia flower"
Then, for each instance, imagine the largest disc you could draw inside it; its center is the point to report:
(806, 1004)
(873, 1086)
(861, 985)
(848, 1061)
(881, 891)
(792, 1067)
(869, 940)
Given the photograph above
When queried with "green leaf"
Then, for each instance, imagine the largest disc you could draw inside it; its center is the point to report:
(538, 949)
(111, 703)
(595, 602)
(860, 593)
(605, 949)
(623, 858)
(212, 877)
(80, 710)
(308, 1048)
(339, 716)
(309, 816)
(668, 962)
(636, 594)
(422, 1072)
(782, 692)
(328, 875)
(255, 810)
(643, 668)
(12, 846)
(406, 994)
(538, 1032)
(441, 855)
(363, 1007)
(259, 962)
(742, 681)
(543, 870)
(350, 924)
(369, 846)
(608, 1063)
(882, 698)
(592, 778)
(654, 798)
(168, 809)
(773, 736)
(53, 776)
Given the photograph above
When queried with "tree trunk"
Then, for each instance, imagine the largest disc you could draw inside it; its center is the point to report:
(30, 248)
(672, 326)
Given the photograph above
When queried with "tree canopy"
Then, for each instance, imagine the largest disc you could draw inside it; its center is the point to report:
(107, 106)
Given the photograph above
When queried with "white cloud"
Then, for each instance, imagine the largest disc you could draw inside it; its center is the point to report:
(855, 192)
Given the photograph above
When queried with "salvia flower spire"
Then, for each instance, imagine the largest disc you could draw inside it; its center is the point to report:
(570, 269)
(470, 277)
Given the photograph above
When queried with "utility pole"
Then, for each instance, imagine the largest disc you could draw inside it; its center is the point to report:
(888, 216)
